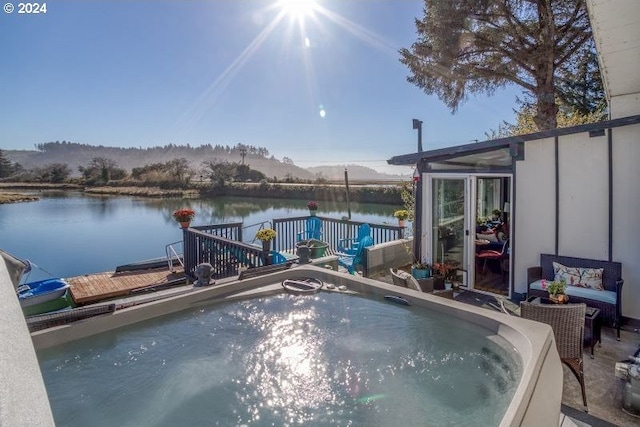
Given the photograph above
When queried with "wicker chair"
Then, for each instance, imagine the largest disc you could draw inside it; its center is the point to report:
(567, 323)
(404, 279)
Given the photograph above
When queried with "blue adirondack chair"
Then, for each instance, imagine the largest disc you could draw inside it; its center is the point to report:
(313, 229)
(350, 262)
(350, 246)
(280, 258)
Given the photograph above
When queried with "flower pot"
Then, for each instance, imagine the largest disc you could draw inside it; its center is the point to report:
(312, 212)
(317, 247)
(185, 224)
(559, 298)
(420, 273)
(438, 283)
(401, 222)
(266, 245)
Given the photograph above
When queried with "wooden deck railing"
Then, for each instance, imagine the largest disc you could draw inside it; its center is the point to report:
(221, 245)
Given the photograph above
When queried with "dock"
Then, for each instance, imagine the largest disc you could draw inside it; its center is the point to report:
(91, 288)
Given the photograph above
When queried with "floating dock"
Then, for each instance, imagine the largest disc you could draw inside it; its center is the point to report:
(91, 288)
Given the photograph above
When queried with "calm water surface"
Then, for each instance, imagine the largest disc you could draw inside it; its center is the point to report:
(70, 233)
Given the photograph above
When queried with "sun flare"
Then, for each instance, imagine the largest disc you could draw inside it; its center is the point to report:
(298, 8)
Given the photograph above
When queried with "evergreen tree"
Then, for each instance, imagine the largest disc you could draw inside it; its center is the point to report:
(6, 168)
(478, 46)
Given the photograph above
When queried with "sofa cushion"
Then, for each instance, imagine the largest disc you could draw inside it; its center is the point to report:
(607, 297)
(579, 277)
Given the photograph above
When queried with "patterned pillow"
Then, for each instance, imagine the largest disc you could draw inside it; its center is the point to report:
(581, 277)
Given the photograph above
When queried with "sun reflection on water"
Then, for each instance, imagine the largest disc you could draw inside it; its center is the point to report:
(288, 366)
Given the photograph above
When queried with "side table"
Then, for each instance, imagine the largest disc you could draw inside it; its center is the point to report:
(592, 324)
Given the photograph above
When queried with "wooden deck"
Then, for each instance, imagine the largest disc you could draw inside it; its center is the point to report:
(96, 287)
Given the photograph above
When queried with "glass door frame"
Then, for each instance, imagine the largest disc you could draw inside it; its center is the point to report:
(470, 207)
(430, 233)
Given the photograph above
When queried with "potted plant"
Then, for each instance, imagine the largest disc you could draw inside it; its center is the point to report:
(184, 216)
(420, 270)
(446, 270)
(401, 215)
(313, 207)
(266, 235)
(556, 290)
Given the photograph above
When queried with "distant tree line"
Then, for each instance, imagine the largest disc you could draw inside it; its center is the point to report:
(238, 149)
(175, 173)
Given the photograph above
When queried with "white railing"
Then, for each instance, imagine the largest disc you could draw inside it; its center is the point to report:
(173, 254)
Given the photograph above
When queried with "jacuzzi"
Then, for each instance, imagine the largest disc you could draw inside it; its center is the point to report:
(537, 394)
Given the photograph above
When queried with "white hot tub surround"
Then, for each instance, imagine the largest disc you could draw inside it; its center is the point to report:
(536, 400)
(23, 397)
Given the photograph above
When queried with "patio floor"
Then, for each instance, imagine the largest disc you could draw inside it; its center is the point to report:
(604, 390)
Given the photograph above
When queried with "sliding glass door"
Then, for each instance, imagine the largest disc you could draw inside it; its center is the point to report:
(469, 218)
(492, 233)
(449, 201)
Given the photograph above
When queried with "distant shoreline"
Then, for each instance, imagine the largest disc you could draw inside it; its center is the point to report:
(373, 193)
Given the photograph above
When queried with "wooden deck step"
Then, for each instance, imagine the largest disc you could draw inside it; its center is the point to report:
(96, 287)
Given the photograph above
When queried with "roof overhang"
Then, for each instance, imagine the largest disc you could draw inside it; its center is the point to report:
(616, 31)
(498, 153)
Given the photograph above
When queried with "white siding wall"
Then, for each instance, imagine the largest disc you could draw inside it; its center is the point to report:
(583, 205)
(535, 208)
(625, 105)
(626, 214)
(583, 196)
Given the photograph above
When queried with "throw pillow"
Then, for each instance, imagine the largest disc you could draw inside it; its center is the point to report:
(582, 277)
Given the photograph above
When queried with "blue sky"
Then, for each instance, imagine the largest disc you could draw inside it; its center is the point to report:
(327, 89)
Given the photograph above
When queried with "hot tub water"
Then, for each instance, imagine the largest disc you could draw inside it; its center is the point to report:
(323, 360)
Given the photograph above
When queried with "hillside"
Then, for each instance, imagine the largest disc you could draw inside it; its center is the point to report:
(75, 155)
(356, 173)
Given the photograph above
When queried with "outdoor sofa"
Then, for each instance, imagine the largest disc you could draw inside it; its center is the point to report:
(608, 299)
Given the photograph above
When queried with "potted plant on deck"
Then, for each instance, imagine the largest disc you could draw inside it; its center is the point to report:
(420, 270)
(446, 271)
(556, 290)
(313, 207)
(401, 215)
(266, 235)
(184, 216)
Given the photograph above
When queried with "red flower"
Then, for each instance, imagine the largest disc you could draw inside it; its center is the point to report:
(445, 268)
(184, 215)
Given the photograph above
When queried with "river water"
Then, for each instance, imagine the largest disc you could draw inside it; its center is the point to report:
(70, 233)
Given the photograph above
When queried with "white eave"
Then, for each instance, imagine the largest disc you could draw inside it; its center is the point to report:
(616, 30)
